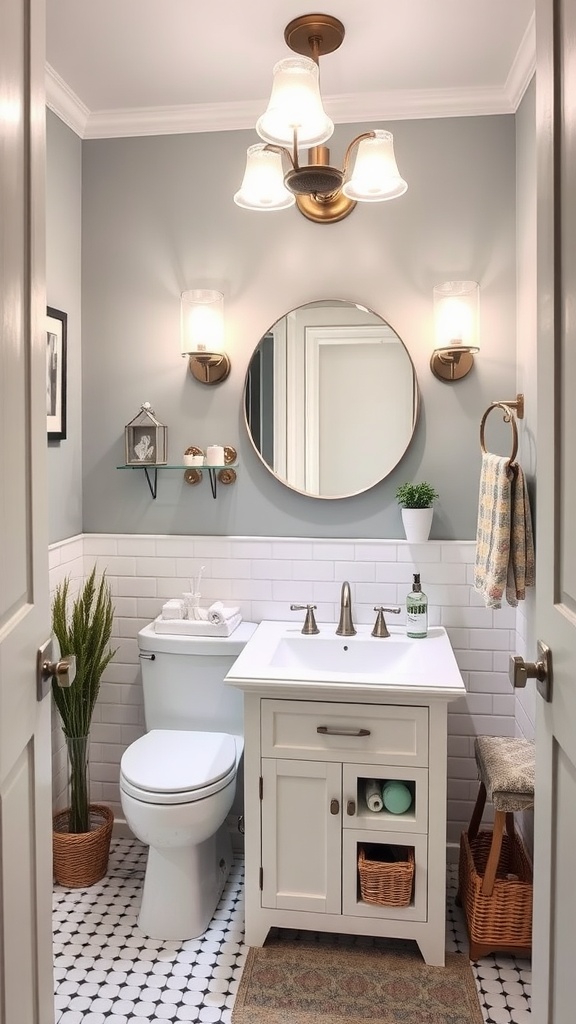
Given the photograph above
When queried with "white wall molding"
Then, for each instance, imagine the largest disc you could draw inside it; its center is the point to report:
(407, 104)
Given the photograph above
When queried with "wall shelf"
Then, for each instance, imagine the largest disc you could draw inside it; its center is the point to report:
(224, 474)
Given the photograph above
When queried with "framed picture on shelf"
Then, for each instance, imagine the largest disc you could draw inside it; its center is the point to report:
(56, 325)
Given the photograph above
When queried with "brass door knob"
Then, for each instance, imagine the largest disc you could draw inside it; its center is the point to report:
(521, 671)
(64, 671)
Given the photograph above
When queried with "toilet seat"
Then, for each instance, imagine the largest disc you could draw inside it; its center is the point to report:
(169, 766)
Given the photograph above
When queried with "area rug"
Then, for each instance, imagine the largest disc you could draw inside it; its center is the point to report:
(295, 982)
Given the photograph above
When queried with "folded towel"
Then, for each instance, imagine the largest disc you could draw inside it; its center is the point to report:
(174, 609)
(218, 614)
(521, 572)
(493, 530)
(373, 794)
(504, 543)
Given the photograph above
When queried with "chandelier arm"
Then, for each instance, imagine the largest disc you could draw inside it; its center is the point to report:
(285, 152)
(359, 138)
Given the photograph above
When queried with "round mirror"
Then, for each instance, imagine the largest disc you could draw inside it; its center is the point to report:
(331, 399)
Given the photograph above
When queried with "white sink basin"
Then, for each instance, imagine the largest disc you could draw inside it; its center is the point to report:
(278, 651)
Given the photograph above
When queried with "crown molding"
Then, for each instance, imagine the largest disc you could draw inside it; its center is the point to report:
(65, 103)
(524, 66)
(408, 104)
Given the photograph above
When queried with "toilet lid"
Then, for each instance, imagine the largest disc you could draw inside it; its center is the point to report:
(174, 761)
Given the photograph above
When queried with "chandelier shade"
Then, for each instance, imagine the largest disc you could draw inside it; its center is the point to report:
(295, 106)
(263, 186)
(375, 176)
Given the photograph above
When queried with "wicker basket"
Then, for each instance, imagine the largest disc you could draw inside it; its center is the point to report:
(81, 859)
(503, 920)
(385, 882)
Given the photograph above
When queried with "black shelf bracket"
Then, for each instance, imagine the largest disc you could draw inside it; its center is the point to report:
(152, 483)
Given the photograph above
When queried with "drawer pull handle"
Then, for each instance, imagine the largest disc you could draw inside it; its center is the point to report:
(329, 730)
(334, 807)
(351, 808)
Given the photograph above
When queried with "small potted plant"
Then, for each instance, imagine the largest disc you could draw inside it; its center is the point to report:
(416, 501)
(82, 832)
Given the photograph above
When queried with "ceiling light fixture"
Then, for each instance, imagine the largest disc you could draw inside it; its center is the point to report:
(295, 119)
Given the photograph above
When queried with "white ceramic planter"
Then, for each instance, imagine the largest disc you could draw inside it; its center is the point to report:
(417, 524)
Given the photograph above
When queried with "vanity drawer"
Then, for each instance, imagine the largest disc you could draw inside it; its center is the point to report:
(365, 733)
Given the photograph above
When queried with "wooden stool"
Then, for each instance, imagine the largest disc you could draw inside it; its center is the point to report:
(506, 771)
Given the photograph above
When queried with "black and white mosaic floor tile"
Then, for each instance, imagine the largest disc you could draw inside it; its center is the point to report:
(107, 972)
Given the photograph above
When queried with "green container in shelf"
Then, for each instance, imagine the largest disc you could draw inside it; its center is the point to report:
(396, 796)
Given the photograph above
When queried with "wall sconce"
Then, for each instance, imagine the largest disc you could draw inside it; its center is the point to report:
(202, 334)
(456, 328)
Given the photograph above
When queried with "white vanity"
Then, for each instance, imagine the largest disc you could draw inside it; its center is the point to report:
(324, 714)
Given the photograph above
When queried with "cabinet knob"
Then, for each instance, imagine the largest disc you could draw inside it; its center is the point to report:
(334, 807)
(351, 808)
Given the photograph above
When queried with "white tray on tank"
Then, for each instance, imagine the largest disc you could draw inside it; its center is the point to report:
(192, 627)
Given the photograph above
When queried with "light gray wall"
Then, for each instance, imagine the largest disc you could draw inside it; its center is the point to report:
(158, 217)
(63, 284)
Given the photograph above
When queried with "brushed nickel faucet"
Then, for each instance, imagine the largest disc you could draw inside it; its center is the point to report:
(309, 627)
(345, 626)
(380, 627)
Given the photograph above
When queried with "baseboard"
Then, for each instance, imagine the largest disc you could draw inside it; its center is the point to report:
(452, 853)
(121, 830)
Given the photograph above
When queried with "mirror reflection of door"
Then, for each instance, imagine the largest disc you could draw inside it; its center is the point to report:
(331, 399)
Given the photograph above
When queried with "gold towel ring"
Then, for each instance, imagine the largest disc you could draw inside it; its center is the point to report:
(508, 417)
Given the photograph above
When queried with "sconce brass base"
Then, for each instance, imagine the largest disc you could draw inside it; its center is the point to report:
(210, 367)
(452, 364)
(325, 209)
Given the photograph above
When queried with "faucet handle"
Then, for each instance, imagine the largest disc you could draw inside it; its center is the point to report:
(380, 627)
(309, 626)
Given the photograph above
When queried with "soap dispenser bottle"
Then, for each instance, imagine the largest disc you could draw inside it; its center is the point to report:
(416, 610)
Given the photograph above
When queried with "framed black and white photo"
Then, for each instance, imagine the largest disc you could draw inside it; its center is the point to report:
(56, 374)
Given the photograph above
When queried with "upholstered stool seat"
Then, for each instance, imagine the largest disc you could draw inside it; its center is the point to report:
(506, 770)
(498, 906)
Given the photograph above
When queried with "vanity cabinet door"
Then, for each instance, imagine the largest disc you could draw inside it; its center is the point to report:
(301, 835)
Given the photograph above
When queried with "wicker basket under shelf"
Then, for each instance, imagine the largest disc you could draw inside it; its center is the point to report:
(503, 920)
(387, 883)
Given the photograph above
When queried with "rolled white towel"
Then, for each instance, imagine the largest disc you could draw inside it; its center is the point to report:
(373, 793)
(174, 609)
(218, 614)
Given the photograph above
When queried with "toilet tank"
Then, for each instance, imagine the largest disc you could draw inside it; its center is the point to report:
(183, 680)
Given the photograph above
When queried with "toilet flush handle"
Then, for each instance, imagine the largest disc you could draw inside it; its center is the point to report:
(147, 657)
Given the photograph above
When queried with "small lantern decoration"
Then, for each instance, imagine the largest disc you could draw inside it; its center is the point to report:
(146, 439)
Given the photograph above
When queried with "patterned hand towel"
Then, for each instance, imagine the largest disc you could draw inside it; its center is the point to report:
(521, 561)
(493, 531)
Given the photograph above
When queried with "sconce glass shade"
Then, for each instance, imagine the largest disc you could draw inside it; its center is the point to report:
(202, 321)
(456, 315)
(295, 105)
(375, 176)
(263, 186)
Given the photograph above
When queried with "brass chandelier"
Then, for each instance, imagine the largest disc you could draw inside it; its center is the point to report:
(295, 119)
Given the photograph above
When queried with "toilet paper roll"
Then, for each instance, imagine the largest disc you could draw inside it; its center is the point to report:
(372, 792)
(396, 796)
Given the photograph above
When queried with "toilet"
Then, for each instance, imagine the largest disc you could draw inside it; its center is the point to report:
(178, 781)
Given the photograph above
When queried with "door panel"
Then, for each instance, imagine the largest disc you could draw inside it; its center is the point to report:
(26, 985)
(301, 835)
(555, 795)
